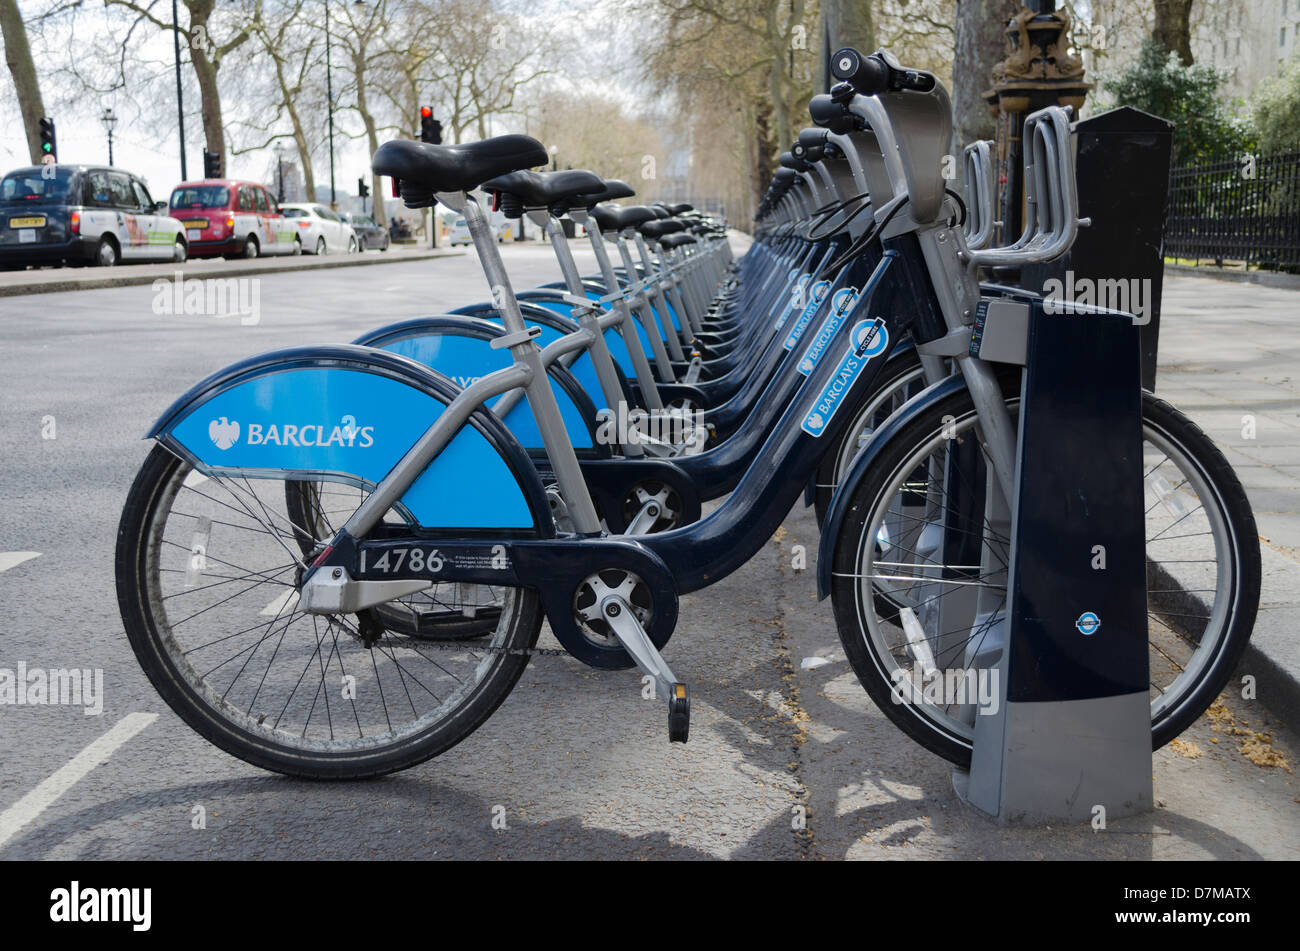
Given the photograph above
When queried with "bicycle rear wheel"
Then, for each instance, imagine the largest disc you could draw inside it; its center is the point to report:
(207, 572)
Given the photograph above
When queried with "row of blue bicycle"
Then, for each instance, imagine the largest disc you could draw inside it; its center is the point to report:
(336, 561)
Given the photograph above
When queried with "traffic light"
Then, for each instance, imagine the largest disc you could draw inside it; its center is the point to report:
(363, 190)
(430, 128)
(48, 145)
(211, 165)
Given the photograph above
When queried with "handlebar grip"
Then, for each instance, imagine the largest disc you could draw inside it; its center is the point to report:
(868, 74)
(811, 144)
(832, 115)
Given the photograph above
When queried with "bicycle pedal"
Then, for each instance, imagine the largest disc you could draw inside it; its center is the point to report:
(679, 713)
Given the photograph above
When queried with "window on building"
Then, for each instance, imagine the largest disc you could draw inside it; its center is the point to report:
(1281, 41)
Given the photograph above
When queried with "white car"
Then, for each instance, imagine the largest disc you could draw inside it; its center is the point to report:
(459, 234)
(321, 230)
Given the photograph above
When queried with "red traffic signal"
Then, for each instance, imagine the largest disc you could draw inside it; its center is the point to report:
(430, 128)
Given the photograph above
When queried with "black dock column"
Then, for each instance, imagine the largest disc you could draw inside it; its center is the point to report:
(1070, 740)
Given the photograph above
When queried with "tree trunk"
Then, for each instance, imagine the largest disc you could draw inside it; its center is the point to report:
(18, 55)
(1173, 28)
(304, 159)
(372, 136)
(763, 165)
(205, 70)
(844, 23)
(980, 43)
(775, 83)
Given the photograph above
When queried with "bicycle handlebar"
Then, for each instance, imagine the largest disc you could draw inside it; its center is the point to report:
(877, 73)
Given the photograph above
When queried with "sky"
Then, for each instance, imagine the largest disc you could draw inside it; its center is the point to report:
(145, 140)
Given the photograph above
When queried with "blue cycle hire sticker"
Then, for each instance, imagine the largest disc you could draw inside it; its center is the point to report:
(842, 305)
(869, 339)
(816, 296)
(334, 422)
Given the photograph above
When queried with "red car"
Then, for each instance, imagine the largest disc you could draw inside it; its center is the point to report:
(232, 218)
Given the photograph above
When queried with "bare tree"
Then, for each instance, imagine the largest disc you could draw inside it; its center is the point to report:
(235, 23)
(599, 133)
(291, 57)
(18, 56)
(484, 57)
(365, 50)
(751, 54)
(402, 71)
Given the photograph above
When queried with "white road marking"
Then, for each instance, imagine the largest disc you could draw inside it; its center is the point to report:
(48, 791)
(279, 604)
(12, 559)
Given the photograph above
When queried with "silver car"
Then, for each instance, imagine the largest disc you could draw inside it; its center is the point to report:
(321, 231)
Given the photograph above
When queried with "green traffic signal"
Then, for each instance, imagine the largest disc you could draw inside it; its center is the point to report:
(47, 136)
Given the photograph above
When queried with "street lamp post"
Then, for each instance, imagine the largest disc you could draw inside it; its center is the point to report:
(110, 122)
(180, 104)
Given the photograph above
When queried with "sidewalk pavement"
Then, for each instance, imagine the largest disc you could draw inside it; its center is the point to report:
(49, 279)
(1230, 359)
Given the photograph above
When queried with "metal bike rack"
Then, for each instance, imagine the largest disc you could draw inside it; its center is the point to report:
(1128, 215)
(1070, 737)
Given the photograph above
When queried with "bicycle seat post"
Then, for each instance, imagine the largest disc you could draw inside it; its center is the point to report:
(524, 349)
(645, 378)
(628, 304)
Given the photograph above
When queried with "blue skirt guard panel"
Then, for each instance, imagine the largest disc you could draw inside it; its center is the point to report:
(613, 340)
(553, 325)
(460, 348)
(348, 414)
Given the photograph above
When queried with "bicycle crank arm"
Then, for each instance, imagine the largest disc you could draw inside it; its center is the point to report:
(618, 615)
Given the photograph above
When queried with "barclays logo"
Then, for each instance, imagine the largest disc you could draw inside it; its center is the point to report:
(223, 433)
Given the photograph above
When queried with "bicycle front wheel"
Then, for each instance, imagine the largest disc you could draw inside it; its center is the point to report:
(891, 586)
